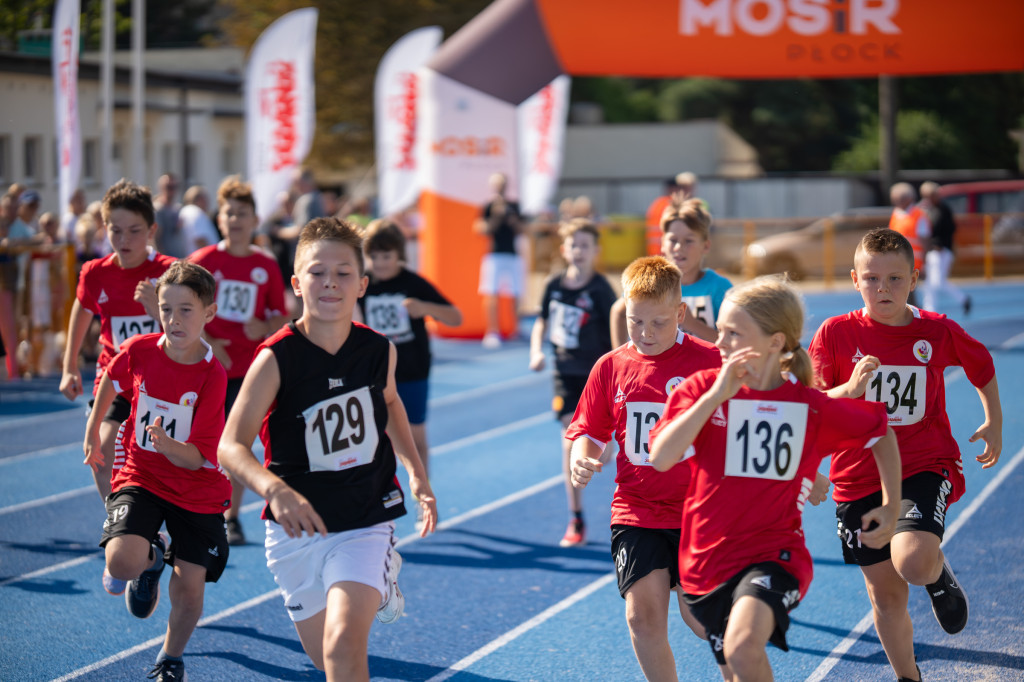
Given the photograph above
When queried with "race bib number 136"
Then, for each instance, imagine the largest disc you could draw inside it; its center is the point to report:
(765, 439)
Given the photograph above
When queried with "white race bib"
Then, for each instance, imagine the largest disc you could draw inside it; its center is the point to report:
(701, 308)
(236, 301)
(566, 321)
(640, 417)
(177, 420)
(765, 439)
(386, 314)
(903, 390)
(124, 328)
(341, 431)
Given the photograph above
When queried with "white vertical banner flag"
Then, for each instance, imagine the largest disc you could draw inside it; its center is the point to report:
(280, 105)
(396, 98)
(541, 138)
(65, 97)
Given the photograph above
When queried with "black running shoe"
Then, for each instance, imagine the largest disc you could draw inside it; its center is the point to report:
(143, 593)
(949, 602)
(236, 537)
(168, 671)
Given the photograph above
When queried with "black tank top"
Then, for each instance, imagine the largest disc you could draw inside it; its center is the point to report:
(324, 435)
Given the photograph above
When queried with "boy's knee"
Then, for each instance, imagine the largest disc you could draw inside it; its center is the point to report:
(743, 654)
(645, 621)
(918, 568)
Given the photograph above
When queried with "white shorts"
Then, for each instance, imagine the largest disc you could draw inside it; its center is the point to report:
(42, 313)
(306, 567)
(501, 273)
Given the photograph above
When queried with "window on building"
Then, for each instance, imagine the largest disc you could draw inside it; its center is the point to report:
(5, 160)
(191, 164)
(90, 160)
(227, 160)
(32, 159)
(167, 159)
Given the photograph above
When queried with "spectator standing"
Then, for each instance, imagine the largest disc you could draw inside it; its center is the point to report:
(501, 271)
(196, 226)
(170, 238)
(938, 260)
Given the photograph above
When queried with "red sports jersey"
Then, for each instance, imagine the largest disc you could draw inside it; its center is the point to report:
(247, 287)
(190, 398)
(909, 383)
(752, 465)
(108, 290)
(625, 394)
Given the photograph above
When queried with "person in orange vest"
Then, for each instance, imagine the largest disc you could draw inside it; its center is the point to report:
(653, 220)
(911, 220)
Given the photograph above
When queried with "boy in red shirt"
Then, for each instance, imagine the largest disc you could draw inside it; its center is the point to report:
(170, 472)
(250, 303)
(753, 435)
(895, 354)
(625, 395)
(119, 288)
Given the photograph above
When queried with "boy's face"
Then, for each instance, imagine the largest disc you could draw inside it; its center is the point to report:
(237, 220)
(129, 236)
(385, 265)
(653, 324)
(684, 247)
(738, 330)
(183, 315)
(579, 250)
(328, 280)
(884, 281)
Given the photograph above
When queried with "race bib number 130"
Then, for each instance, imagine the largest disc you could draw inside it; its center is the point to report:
(765, 439)
(341, 432)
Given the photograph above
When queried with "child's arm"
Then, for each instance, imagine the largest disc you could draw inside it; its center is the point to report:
(218, 346)
(184, 455)
(405, 448)
(858, 381)
(887, 459)
(78, 325)
(586, 461)
(620, 334)
(293, 511)
(145, 293)
(92, 447)
(540, 330)
(446, 314)
(695, 326)
(257, 330)
(992, 430)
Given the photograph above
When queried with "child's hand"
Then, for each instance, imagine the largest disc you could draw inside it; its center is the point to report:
(93, 451)
(993, 437)
(255, 330)
(424, 497)
(219, 348)
(819, 491)
(583, 469)
(862, 372)
(158, 437)
(294, 512)
(537, 361)
(145, 293)
(736, 371)
(71, 385)
(415, 308)
(884, 519)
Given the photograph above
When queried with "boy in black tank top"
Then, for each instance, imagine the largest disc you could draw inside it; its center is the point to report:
(321, 395)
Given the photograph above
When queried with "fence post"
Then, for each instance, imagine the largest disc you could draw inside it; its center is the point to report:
(829, 256)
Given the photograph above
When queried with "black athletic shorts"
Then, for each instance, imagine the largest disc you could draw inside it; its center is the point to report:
(118, 411)
(196, 538)
(923, 508)
(768, 582)
(639, 551)
(568, 391)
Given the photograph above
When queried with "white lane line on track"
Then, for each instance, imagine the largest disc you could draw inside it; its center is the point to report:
(523, 628)
(35, 454)
(46, 500)
(834, 656)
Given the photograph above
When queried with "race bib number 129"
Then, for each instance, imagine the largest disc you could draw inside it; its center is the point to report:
(341, 431)
(765, 439)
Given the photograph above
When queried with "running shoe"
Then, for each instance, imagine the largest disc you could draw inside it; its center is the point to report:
(144, 592)
(949, 601)
(575, 534)
(112, 585)
(168, 671)
(236, 537)
(491, 341)
(391, 610)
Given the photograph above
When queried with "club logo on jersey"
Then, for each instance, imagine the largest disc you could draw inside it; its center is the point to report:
(334, 383)
(672, 383)
(923, 351)
(620, 396)
(914, 513)
(218, 276)
(189, 399)
(142, 387)
(762, 581)
(103, 297)
(258, 275)
(857, 357)
(718, 418)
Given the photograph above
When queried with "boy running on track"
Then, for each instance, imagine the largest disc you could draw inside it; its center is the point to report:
(686, 240)
(753, 434)
(396, 302)
(624, 396)
(169, 473)
(321, 394)
(896, 354)
(119, 288)
(250, 303)
(575, 309)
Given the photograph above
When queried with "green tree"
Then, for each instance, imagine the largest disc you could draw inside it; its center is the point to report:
(923, 140)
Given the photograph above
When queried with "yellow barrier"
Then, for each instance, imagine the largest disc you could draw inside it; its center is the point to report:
(622, 242)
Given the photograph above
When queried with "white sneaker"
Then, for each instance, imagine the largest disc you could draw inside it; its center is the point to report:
(391, 610)
(492, 341)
